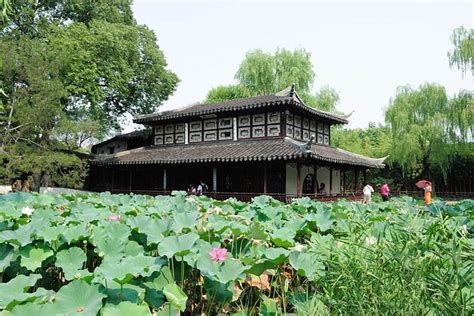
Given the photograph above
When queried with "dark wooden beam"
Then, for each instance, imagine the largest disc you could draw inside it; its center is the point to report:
(356, 176)
(130, 180)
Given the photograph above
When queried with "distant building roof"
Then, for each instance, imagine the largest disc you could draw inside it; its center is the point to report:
(282, 98)
(142, 134)
(233, 151)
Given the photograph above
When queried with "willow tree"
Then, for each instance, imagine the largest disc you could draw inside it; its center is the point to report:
(262, 73)
(428, 127)
(462, 55)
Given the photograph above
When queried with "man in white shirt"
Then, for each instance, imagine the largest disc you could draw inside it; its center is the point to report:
(367, 193)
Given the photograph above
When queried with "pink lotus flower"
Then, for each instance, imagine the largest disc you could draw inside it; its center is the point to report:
(114, 218)
(218, 254)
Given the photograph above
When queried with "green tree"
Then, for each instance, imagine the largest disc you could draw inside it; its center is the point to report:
(70, 71)
(462, 55)
(427, 127)
(262, 73)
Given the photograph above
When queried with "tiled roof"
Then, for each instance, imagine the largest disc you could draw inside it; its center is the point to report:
(234, 151)
(283, 98)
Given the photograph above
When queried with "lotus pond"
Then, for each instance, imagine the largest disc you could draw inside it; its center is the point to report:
(104, 254)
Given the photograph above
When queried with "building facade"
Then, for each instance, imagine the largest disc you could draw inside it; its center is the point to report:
(272, 144)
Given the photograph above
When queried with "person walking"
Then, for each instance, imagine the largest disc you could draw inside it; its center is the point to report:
(428, 190)
(385, 192)
(367, 193)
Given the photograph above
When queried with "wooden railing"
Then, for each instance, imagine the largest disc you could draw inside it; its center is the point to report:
(287, 198)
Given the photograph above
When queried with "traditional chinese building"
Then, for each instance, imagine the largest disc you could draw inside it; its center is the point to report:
(271, 144)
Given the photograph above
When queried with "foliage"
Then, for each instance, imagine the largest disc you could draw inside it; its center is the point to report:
(429, 124)
(132, 254)
(69, 72)
(262, 73)
(462, 55)
(224, 93)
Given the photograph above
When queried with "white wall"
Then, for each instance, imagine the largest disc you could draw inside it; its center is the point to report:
(323, 177)
(290, 178)
(336, 181)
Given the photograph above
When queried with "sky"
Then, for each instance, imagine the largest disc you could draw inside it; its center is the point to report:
(364, 50)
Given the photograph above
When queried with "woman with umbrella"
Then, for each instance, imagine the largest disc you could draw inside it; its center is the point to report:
(426, 186)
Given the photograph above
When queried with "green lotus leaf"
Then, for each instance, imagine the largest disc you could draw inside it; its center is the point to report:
(132, 248)
(20, 236)
(283, 237)
(268, 306)
(184, 220)
(220, 292)
(111, 249)
(78, 298)
(175, 296)
(306, 265)
(32, 257)
(112, 230)
(261, 200)
(276, 255)
(32, 308)
(123, 271)
(15, 289)
(322, 218)
(168, 310)
(71, 261)
(6, 256)
(73, 233)
(117, 293)
(49, 233)
(125, 309)
(177, 245)
(230, 270)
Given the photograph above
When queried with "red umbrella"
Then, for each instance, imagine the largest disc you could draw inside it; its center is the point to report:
(423, 184)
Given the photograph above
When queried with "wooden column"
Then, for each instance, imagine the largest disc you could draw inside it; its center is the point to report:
(164, 179)
(265, 179)
(298, 179)
(214, 179)
(315, 170)
(113, 180)
(344, 181)
(356, 175)
(130, 180)
(330, 180)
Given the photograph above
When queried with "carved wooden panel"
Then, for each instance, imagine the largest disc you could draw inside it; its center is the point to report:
(158, 140)
(179, 128)
(210, 124)
(169, 139)
(244, 132)
(306, 135)
(313, 125)
(273, 130)
(326, 140)
(258, 119)
(297, 133)
(244, 120)
(195, 137)
(258, 131)
(297, 121)
(273, 117)
(225, 134)
(305, 123)
(320, 139)
(195, 126)
(179, 138)
(289, 130)
(210, 136)
(225, 122)
(320, 127)
(290, 118)
(169, 128)
(159, 129)
(326, 129)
